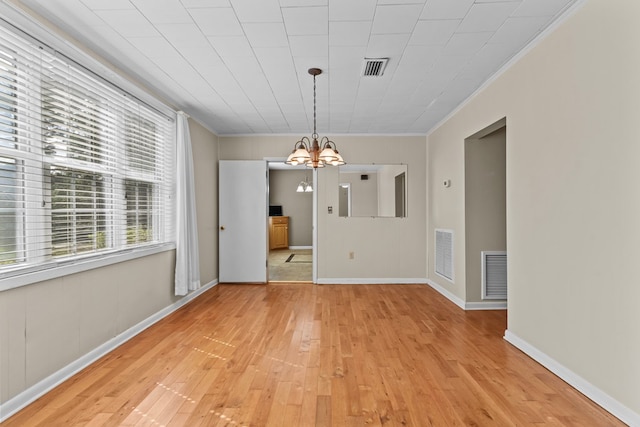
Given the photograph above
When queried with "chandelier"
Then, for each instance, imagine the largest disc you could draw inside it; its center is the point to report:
(308, 152)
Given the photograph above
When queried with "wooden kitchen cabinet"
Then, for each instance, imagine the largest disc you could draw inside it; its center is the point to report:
(278, 232)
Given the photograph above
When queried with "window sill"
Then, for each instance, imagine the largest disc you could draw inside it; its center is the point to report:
(54, 270)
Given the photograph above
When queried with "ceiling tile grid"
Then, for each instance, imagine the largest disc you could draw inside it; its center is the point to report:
(240, 66)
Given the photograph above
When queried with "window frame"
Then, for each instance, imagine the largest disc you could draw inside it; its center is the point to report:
(35, 267)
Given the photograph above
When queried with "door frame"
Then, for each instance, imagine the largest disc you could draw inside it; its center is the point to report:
(314, 216)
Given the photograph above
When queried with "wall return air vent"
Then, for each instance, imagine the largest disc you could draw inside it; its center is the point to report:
(374, 67)
(444, 253)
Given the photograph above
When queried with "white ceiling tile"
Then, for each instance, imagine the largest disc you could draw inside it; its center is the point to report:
(183, 36)
(129, 23)
(276, 60)
(242, 66)
(541, 7)
(202, 57)
(219, 21)
(225, 84)
(488, 60)
(419, 58)
(152, 47)
(434, 32)
(395, 19)
(105, 5)
(466, 43)
(306, 20)
(516, 32)
(352, 10)
(230, 46)
(163, 11)
(347, 57)
(343, 86)
(204, 3)
(248, 73)
(422, 2)
(486, 16)
(387, 45)
(258, 11)
(449, 66)
(302, 3)
(280, 72)
(309, 45)
(446, 9)
(349, 33)
(266, 34)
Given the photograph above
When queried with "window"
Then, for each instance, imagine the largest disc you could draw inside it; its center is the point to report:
(139, 196)
(85, 169)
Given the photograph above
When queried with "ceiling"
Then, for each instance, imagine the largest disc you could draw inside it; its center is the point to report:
(240, 66)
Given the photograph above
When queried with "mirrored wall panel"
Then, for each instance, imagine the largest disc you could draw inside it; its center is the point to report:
(371, 190)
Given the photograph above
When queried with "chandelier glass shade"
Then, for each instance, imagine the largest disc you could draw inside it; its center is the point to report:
(310, 152)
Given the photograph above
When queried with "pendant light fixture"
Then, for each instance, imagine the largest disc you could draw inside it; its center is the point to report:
(304, 187)
(308, 152)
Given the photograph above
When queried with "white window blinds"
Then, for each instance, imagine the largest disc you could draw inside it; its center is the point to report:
(85, 169)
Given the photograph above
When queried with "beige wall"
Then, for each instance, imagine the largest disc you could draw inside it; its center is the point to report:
(46, 326)
(384, 248)
(297, 206)
(204, 146)
(573, 184)
(485, 205)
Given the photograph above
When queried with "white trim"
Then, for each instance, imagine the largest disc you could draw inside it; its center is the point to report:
(297, 135)
(565, 15)
(300, 247)
(486, 305)
(63, 268)
(13, 405)
(447, 294)
(371, 281)
(314, 228)
(608, 403)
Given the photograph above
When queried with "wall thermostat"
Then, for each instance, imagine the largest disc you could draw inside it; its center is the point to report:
(447, 183)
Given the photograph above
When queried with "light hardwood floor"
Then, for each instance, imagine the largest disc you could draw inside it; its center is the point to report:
(317, 355)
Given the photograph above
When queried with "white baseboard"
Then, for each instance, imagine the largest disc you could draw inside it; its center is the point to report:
(601, 398)
(29, 395)
(370, 281)
(300, 247)
(481, 305)
(486, 305)
(447, 294)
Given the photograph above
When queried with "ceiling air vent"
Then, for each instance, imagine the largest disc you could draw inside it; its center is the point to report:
(374, 66)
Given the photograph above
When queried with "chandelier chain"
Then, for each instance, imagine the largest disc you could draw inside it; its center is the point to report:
(314, 106)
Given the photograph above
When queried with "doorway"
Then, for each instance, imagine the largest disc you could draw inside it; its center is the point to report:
(290, 198)
(485, 216)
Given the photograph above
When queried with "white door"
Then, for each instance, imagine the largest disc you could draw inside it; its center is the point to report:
(242, 215)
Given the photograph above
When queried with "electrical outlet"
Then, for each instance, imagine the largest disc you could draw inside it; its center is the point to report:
(351, 255)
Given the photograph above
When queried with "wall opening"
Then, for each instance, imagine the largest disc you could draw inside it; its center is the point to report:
(485, 202)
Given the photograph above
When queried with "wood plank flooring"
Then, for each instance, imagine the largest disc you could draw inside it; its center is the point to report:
(317, 355)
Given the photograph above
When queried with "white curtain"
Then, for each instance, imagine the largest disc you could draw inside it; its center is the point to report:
(187, 257)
